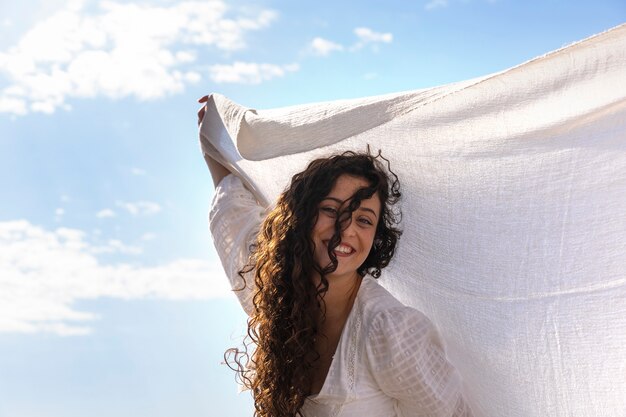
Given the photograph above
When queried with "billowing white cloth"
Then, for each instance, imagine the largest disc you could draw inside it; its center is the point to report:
(514, 220)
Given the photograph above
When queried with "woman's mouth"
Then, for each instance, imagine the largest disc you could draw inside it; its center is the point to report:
(343, 249)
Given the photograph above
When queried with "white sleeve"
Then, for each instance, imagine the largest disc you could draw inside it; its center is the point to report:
(234, 220)
(408, 363)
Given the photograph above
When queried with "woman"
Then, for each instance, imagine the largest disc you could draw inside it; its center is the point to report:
(328, 340)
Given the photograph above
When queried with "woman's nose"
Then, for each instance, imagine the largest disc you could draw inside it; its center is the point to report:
(349, 227)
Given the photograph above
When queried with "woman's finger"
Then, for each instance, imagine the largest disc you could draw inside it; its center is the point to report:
(201, 100)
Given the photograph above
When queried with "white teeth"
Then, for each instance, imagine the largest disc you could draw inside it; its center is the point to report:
(343, 249)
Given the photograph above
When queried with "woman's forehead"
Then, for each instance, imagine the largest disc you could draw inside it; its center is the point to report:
(346, 186)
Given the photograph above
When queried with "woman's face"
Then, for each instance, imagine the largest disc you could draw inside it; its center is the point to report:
(357, 237)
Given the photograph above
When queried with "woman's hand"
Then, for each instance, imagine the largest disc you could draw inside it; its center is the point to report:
(202, 100)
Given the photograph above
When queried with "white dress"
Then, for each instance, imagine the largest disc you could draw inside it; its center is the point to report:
(389, 361)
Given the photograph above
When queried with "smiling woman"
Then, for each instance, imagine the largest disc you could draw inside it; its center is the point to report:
(328, 339)
(358, 233)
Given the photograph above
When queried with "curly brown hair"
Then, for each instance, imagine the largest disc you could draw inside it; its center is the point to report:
(287, 302)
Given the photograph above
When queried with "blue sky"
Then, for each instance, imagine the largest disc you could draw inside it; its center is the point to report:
(112, 300)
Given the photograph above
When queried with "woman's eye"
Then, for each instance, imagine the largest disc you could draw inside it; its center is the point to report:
(365, 220)
(329, 210)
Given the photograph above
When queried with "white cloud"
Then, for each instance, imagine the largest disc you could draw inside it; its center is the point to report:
(116, 246)
(435, 4)
(365, 36)
(248, 72)
(58, 214)
(148, 236)
(43, 273)
(138, 171)
(138, 50)
(140, 208)
(104, 213)
(369, 37)
(13, 105)
(323, 47)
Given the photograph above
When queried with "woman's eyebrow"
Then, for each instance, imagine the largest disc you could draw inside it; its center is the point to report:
(338, 201)
(368, 209)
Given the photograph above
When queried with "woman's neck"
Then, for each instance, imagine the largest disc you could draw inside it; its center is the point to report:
(339, 298)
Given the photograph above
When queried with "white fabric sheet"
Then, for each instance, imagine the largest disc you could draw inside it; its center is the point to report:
(514, 216)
